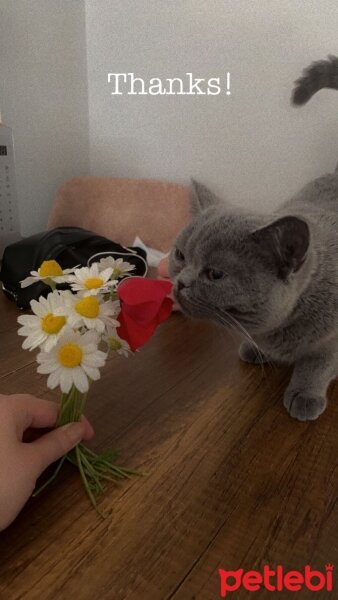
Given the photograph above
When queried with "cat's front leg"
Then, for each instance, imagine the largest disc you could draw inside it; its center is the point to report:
(305, 397)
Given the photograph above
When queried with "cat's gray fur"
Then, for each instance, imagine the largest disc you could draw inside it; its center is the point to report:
(320, 74)
(280, 283)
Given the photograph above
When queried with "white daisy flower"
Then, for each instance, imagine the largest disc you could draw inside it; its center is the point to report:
(74, 360)
(90, 281)
(45, 326)
(120, 267)
(50, 270)
(116, 343)
(92, 312)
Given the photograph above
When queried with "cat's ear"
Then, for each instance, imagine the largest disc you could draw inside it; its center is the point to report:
(201, 197)
(286, 241)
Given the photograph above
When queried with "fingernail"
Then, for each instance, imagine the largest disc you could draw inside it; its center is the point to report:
(74, 430)
(88, 427)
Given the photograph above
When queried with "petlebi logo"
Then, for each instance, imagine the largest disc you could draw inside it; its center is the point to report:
(275, 580)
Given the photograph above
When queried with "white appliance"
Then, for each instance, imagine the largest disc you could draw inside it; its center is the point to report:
(9, 217)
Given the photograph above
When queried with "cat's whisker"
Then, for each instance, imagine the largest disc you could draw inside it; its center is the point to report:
(210, 312)
(241, 329)
(232, 324)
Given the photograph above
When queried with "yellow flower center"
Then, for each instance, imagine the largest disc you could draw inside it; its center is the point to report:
(70, 355)
(52, 324)
(88, 307)
(116, 272)
(93, 283)
(50, 268)
(114, 343)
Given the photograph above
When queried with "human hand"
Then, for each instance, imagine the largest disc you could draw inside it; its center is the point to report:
(22, 463)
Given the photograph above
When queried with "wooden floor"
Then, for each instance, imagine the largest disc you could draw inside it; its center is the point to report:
(232, 480)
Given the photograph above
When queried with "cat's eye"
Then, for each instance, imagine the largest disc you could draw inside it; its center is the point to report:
(179, 255)
(214, 274)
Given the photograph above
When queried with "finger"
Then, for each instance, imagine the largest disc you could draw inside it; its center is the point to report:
(30, 435)
(55, 444)
(36, 413)
(89, 430)
(33, 412)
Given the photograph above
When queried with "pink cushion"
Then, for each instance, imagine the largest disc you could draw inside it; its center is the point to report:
(120, 209)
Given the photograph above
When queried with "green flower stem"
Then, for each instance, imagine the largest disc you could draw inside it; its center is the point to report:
(107, 462)
(52, 478)
(84, 478)
(114, 295)
(94, 468)
(72, 406)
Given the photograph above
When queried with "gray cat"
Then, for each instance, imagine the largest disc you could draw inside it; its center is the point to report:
(273, 277)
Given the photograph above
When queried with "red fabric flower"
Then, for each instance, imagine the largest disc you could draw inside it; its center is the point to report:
(144, 305)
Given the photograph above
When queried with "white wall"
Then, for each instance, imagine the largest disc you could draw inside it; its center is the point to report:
(43, 97)
(253, 146)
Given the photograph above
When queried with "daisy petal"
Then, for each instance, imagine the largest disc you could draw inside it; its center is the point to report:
(80, 380)
(46, 368)
(53, 379)
(66, 380)
(92, 372)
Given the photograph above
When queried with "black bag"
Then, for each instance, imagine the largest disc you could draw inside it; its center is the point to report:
(70, 246)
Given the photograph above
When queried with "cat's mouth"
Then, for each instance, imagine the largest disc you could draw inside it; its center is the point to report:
(189, 307)
(182, 300)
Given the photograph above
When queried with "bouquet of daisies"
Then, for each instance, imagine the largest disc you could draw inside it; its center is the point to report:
(75, 329)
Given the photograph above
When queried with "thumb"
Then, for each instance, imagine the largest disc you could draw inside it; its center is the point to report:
(53, 445)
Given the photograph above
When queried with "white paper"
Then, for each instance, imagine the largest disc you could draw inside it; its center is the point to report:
(154, 256)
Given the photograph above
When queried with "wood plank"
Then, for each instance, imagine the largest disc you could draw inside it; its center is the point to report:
(8, 313)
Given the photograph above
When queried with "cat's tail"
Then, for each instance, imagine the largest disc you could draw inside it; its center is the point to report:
(319, 75)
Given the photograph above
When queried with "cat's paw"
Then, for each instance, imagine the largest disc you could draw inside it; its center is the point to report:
(250, 354)
(303, 406)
